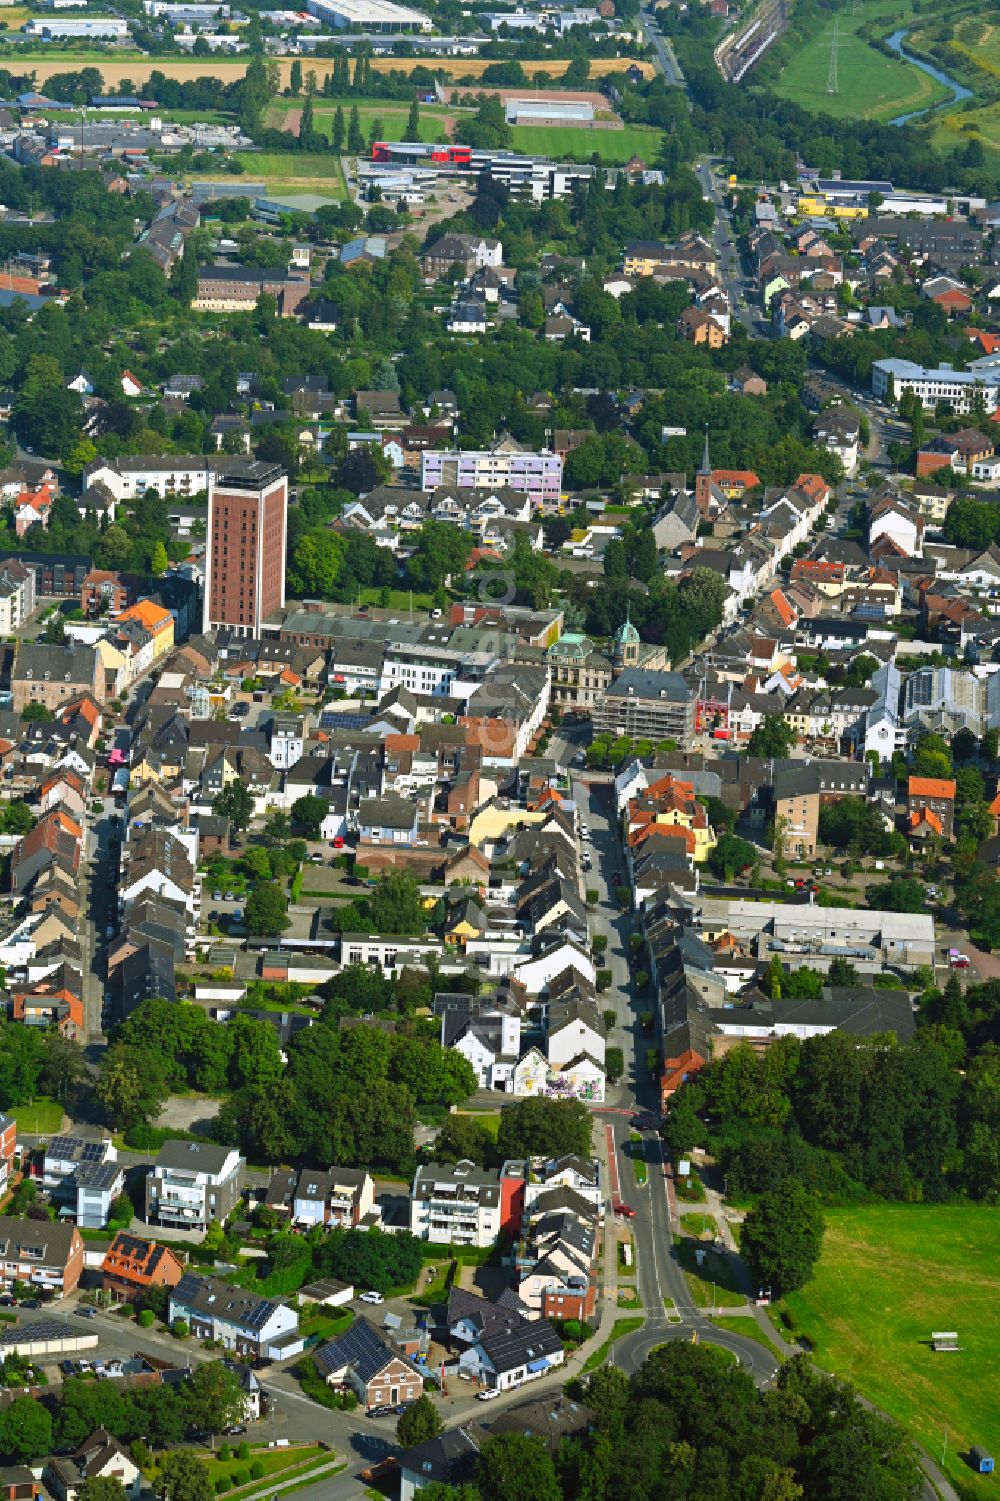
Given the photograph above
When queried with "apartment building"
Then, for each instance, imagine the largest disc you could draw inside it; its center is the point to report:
(647, 705)
(456, 1203)
(505, 462)
(192, 1183)
(8, 1149)
(245, 550)
(17, 595)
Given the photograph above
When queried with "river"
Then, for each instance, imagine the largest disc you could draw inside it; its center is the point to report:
(958, 90)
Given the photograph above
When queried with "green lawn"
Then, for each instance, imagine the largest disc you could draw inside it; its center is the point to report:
(562, 141)
(699, 1224)
(637, 1152)
(619, 1329)
(717, 1271)
(488, 1119)
(40, 1118)
(871, 85)
(274, 1461)
(750, 1329)
(393, 114)
(326, 1323)
(399, 599)
(889, 1276)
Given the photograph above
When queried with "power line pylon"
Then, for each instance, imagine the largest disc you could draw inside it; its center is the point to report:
(832, 82)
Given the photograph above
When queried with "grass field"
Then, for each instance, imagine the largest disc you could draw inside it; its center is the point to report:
(274, 1461)
(872, 86)
(750, 1329)
(291, 172)
(889, 1276)
(615, 146)
(41, 1118)
(434, 119)
(619, 1329)
(713, 1284)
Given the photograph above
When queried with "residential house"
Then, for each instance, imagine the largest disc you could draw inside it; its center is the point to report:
(930, 806)
(262, 1328)
(192, 1183)
(99, 1457)
(132, 1265)
(46, 1254)
(364, 1361)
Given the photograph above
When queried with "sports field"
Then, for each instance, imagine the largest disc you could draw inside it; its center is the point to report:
(435, 121)
(870, 85)
(892, 1274)
(616, 146)
(290, 172)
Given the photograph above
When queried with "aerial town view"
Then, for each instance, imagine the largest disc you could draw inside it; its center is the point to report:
(499, 750)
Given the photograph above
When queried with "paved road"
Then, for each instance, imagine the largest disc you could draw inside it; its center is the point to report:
(669, 66)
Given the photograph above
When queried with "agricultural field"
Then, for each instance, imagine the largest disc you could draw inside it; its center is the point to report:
(871, 86)
(614, 146)
(890, 1275)
(138, 66)
(455, 68)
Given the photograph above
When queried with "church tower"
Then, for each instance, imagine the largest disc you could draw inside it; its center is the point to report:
(703, 482)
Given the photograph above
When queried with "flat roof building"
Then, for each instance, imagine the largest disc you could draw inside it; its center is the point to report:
(369, 15)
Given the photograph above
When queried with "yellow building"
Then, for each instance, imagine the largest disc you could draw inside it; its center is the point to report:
(492, 822)
(157, 621)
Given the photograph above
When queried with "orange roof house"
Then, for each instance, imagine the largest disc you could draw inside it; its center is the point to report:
(815, 486)
(786, 612)
(131, 1265)
(931, 787)
(676, 1070)
(930, 807)
(156, 620)
(32, 508)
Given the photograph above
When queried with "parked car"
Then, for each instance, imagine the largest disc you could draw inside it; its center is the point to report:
(237, 914)
(339, 842)
(216, 896)
(85, 1313)
(371, 1297)
(230, 897)
(67, 1367)
(488, 1394)
(31, 1303)
(625, 1210)
(380, 1412)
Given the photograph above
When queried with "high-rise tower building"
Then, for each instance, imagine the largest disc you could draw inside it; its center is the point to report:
(245, 556)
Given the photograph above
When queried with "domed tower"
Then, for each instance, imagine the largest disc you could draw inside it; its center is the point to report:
(625, 651)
